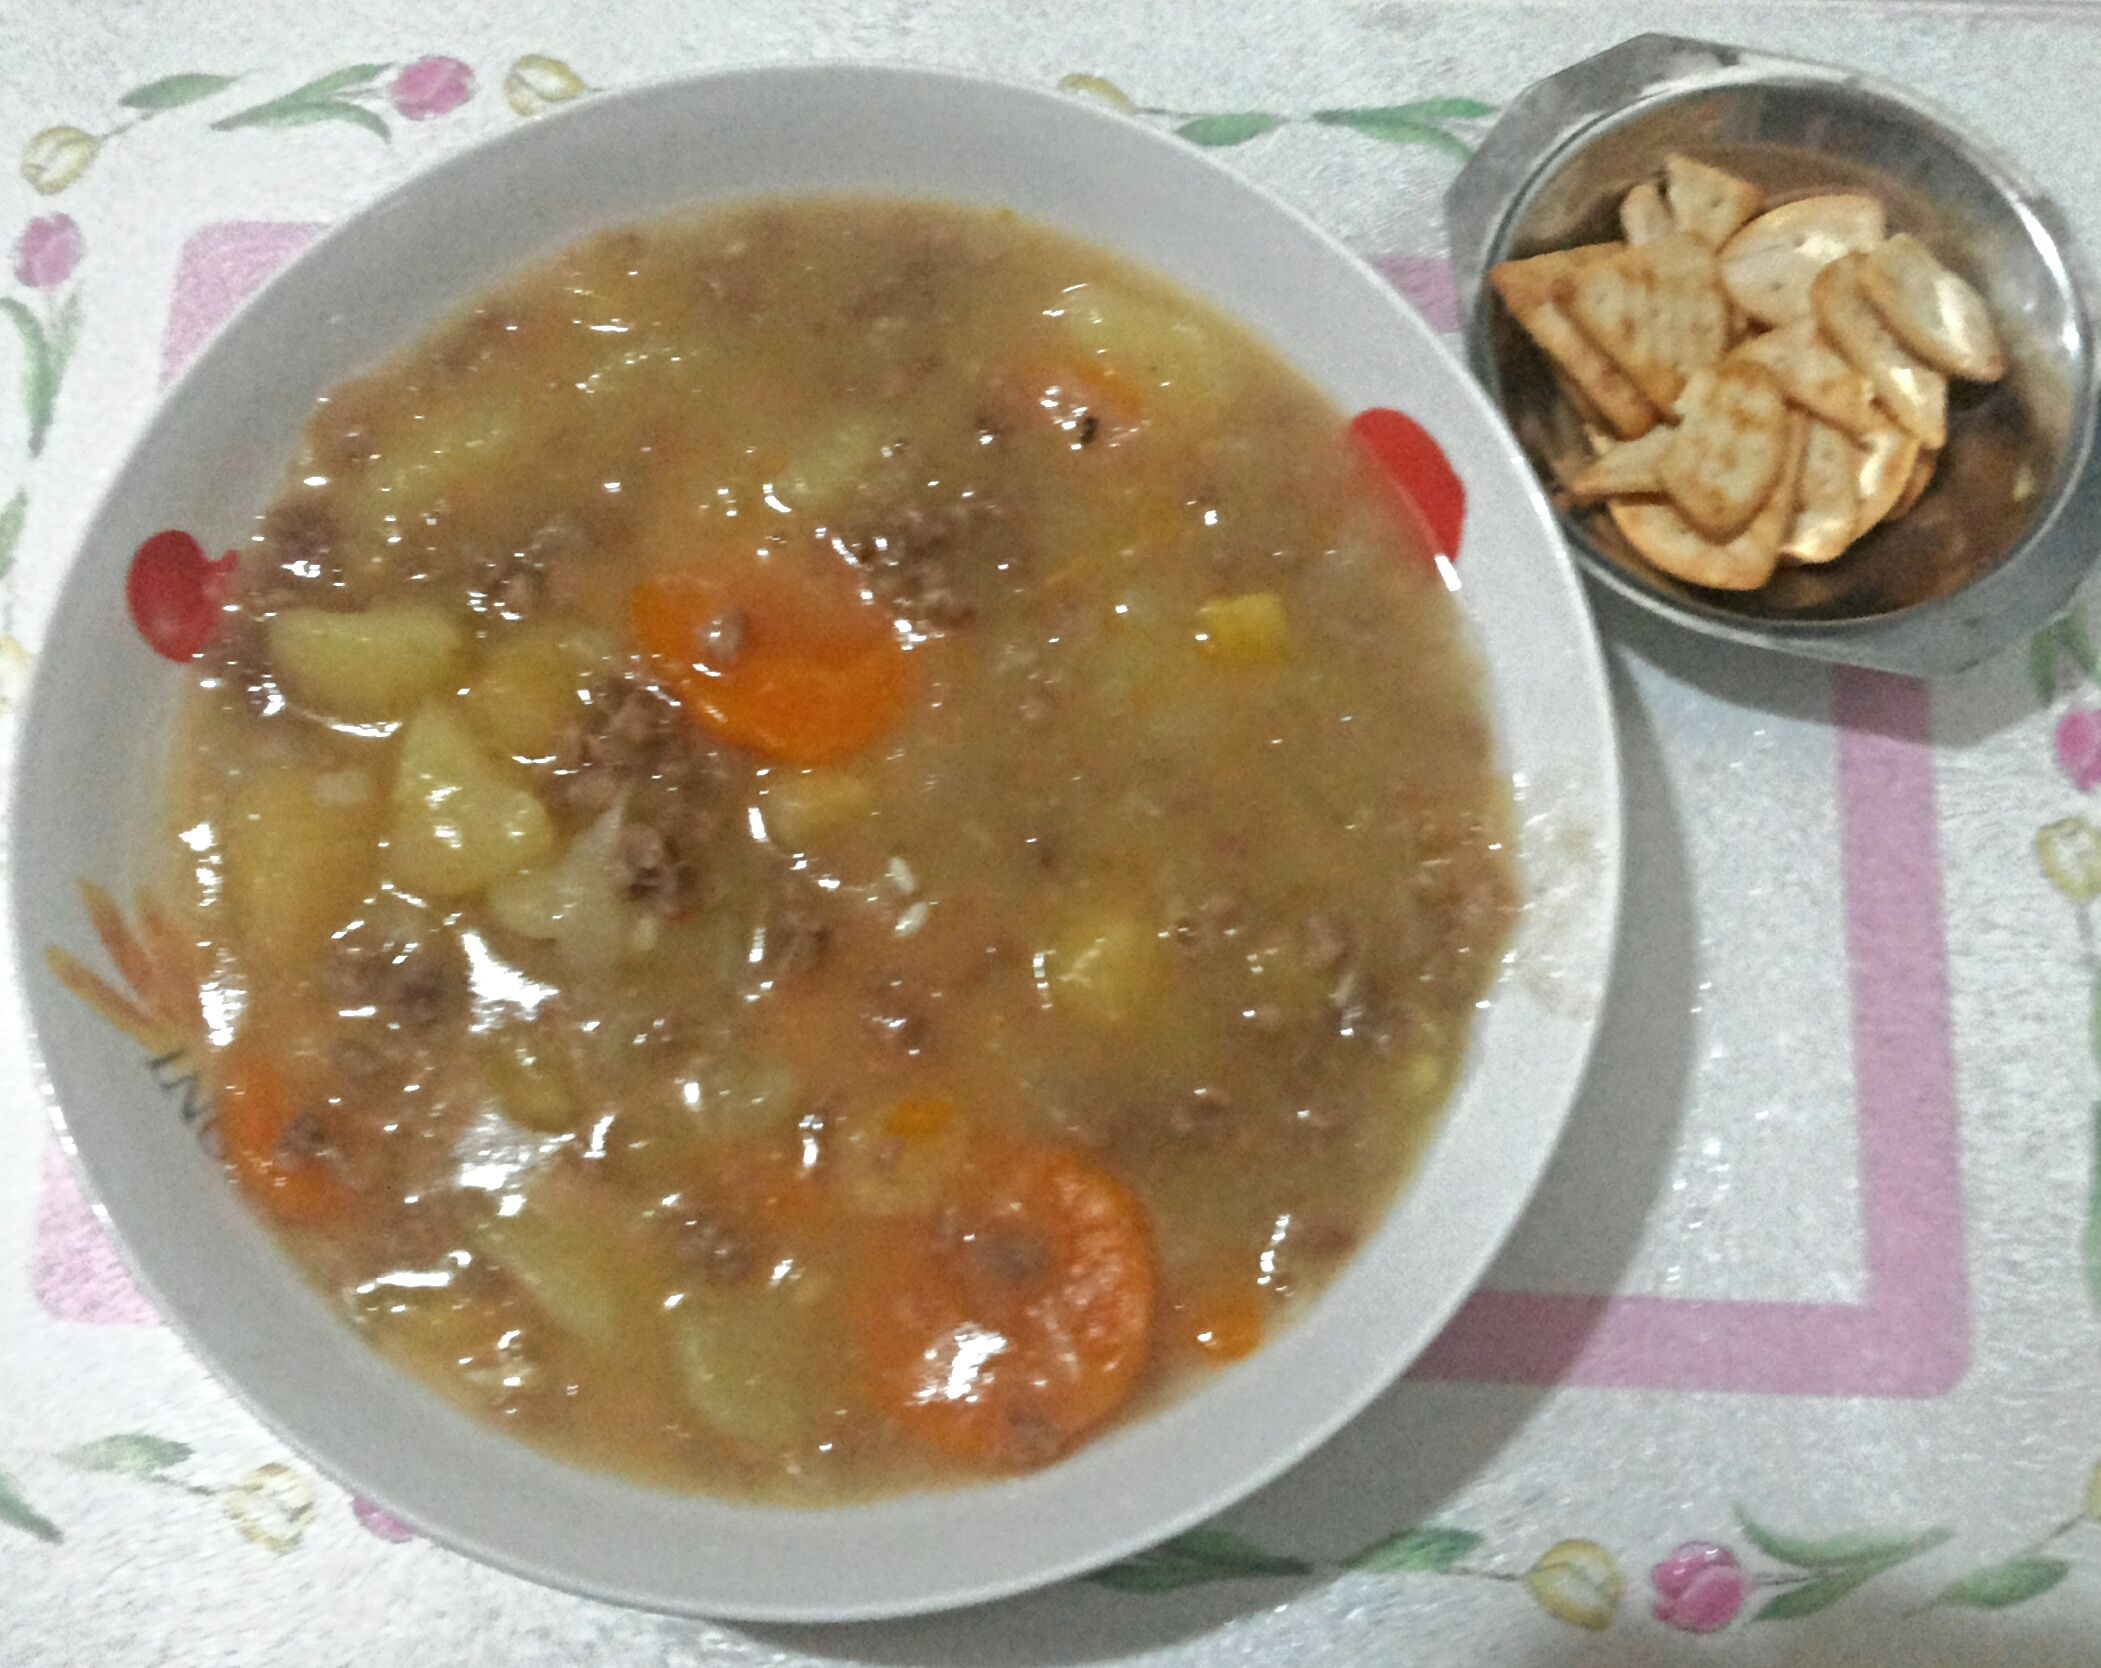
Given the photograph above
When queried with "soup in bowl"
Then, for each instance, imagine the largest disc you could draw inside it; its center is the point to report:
(830, 847)
(827, 847)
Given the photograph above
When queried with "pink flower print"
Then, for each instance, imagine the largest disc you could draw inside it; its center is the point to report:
(431, 87)
(48, 251)
(2079, 747)
(1699, 1588)
(380, 1522)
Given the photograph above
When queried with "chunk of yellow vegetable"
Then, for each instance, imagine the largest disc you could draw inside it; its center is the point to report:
(300, 852)
(573, 1270)
(576, 902)
(531, 1079)
(1108, 967)
(804, 806)
(378, 663)
(825, 474)
(529, 687)
(464, 436)
(1421, 1079)
(759, 1364)
(429, 1320)
(1248, 630)
(460, 821)
(1158, 348)
(904, 1160)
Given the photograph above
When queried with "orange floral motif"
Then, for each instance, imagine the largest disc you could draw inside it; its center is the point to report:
(158, 1005)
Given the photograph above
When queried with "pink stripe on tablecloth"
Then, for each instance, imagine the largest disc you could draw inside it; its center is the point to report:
(74, 1270)
(220, 267)
(1911, 1335)
(1903, 1039)
(1427, 281)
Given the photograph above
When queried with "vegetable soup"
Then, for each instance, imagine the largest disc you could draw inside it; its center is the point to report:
(832, 846)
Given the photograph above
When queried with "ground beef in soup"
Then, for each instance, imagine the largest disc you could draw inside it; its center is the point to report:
(831, 848)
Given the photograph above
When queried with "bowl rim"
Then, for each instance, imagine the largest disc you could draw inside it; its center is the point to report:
(1698, 68)
(1605, 808)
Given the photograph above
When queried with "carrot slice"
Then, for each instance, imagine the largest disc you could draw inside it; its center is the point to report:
(256, 1117)
(798, 687)
(1026, 1323)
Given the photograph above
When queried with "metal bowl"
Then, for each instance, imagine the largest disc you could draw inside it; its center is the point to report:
(2004, 534)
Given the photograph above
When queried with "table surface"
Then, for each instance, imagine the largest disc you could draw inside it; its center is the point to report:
(1794, 1358)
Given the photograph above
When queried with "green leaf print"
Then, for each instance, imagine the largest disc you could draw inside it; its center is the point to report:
(1427, 1549)
(39, 371)
(314, 102)
(2042, 665)
(1839, 1551)
(1233, 128)
(307, 115)
(16, 1510)
(132, 1454)
(171, 92)
(1191, 1559)
(1999, 1586)
(1812, 1596)
(1409, 124)
(11, 530)
(2073, 639)
(64, 334)
(2090, 1231)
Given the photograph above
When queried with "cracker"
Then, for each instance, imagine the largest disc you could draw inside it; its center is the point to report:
(1915, 487)
(1628, 467)
(1768, 266)
(1656, 310)
(1643, 216)
(1888, 455)
(1528, 289)
(1910, 390)
(1828, 498)
(1932, 311)
(1709, 202)
(1669, 543)
(1723, 461)
(1813, 374)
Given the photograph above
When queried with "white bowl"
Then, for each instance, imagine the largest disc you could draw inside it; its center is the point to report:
(92, 746)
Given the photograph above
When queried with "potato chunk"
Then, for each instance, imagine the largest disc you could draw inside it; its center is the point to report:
(460, 822)
(1108, 967)
(1249, 630)
(570, 1259)
(575, 903)
(1169, 357)
(528, 690)
(804, 806)
(367, 667)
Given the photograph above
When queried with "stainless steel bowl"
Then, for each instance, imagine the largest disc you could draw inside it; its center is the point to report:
(2012, 520)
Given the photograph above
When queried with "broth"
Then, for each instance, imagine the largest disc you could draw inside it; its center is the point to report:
(832, 846)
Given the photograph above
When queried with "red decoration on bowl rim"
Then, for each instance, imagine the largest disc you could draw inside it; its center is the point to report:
(175, 594)
(1432, 497)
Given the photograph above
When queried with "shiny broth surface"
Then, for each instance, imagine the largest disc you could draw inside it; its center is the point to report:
(831, 846)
